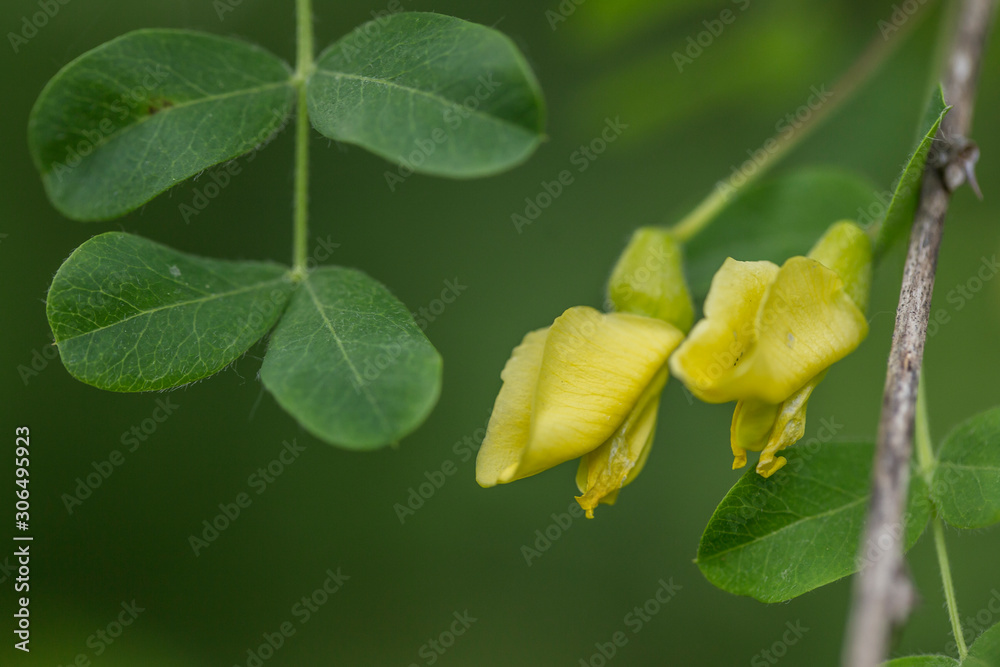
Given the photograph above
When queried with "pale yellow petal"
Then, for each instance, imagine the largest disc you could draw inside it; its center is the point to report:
(708, 360)
(806, 323)
(752, 424)
(510, 422)
(789, 427)
(621, 458)
(609, 499)
(739, 458)
(594, 369)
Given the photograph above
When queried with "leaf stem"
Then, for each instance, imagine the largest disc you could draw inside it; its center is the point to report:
(949, 587)
(776, 147)
(926, 460)
(922, 434)
(303, 68)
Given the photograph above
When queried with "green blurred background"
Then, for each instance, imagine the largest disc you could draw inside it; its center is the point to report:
(462, 549)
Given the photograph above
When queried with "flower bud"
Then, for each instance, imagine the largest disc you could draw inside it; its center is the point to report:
(648, 279)
(847, 249)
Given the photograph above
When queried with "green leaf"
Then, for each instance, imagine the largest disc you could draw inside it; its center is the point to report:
(903, 206)
(350, 364)
(985, 651)
(777, 538)
(433, 93)
(966, 483)
(129, 314)
(922, 661)
(776, 219)
(137, 115)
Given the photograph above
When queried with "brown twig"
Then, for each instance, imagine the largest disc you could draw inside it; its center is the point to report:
(883, 594)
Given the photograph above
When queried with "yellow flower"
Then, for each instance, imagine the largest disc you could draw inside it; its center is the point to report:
(586, 387)
(769, 335)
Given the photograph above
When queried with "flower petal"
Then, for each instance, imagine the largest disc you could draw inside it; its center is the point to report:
(752, 424)
(789, 427)
(707, 361)
(620, 459)
(769, 428)
(594, 369)
(510, 423)
(806, 323)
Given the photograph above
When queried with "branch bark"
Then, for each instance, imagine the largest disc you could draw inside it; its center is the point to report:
(883, 593)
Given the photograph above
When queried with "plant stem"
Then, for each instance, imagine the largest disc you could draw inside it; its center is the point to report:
(922, 435)
(303, 69)
(775, 148)
(949, 587)
(926, 460)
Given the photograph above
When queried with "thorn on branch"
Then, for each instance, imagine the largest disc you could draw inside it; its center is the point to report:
(957, 162)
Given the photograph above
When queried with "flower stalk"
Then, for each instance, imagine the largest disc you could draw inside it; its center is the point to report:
(775, 148)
